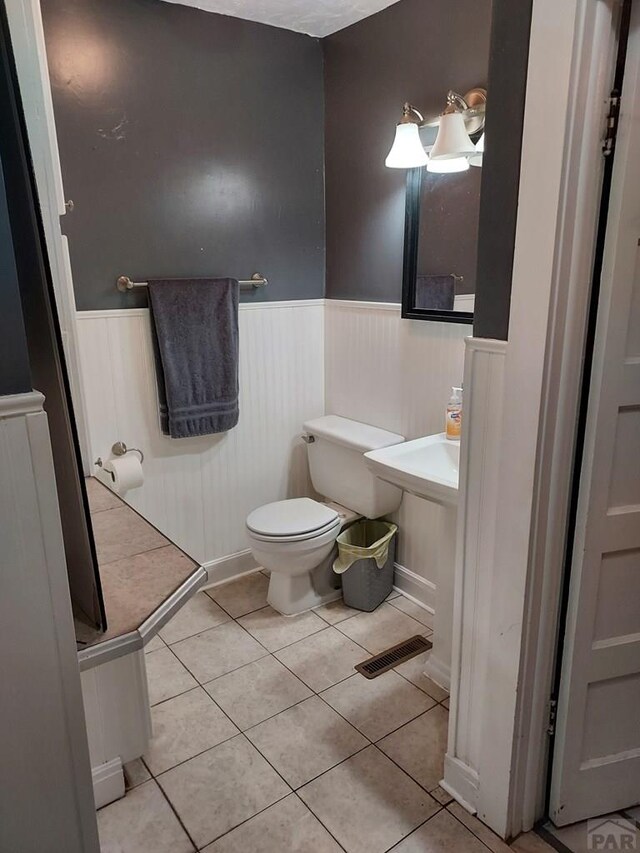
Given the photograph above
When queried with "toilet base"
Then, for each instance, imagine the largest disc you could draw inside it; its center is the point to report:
(293, 594)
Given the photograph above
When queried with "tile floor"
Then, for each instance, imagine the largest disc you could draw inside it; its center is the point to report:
(266, 741)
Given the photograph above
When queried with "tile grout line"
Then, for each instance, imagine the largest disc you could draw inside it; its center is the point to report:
(239, 732)
(468, 828)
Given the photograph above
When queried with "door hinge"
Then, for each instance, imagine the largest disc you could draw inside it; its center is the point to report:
(553, 712)
(613, 118)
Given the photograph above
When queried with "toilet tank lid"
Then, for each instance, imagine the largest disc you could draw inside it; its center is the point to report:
(352, 434)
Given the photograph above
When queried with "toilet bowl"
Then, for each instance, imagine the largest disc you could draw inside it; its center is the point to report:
(295, 539)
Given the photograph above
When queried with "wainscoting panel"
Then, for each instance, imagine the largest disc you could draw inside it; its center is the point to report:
(199, 491)
(395, 374)
(475, 562)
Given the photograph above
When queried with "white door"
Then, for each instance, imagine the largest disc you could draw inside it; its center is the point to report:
(596, 766)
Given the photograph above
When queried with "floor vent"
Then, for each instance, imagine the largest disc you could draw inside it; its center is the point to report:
(386, 660)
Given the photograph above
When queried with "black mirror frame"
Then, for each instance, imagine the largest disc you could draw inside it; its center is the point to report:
(410, 264)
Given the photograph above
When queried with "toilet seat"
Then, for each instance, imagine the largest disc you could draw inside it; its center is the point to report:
(295, 520)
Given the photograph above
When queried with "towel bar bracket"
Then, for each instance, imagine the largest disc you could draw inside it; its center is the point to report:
(124, 283)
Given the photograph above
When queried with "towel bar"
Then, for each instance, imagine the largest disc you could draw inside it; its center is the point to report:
(124, 283)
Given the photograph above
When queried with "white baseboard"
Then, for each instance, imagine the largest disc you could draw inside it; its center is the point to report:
(108, 782)
(438, 671)
(461, 782)
(416, 588)
(226, 568)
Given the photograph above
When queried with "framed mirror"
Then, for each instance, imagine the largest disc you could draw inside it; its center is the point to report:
(440, 245)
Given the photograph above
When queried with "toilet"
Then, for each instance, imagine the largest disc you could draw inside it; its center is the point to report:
(296, 539)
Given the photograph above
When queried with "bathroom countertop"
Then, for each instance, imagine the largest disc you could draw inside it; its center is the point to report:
(140, 569)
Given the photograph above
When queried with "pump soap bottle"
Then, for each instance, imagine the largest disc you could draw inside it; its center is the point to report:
(454, 415)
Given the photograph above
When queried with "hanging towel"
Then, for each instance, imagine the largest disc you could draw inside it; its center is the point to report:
(435, 292)
(195, 326)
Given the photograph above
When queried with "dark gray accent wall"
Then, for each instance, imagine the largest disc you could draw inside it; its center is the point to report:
(412, 51)
(191, 145)
(501, 167)
(15, 375)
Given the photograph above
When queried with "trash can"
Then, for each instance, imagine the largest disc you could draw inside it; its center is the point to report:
(366, 555)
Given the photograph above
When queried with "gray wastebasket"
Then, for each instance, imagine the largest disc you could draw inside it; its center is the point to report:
(366, 556)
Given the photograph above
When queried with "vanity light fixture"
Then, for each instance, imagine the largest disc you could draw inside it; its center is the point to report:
(453, 149)
(407, 150)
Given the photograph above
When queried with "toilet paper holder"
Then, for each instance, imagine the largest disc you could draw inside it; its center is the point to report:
(119, 449)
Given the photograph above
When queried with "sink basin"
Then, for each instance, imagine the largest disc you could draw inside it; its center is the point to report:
(427, 467)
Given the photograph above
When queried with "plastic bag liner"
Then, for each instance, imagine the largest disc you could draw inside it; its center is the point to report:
(364, 540)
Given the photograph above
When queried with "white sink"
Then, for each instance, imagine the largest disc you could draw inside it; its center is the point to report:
(427, 467)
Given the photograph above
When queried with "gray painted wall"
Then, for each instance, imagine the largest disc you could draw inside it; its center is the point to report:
(15, 375)
(501, 167)
(191, 145)
(411, 51)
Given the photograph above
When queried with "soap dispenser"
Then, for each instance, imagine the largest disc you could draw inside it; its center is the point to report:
(454, 415)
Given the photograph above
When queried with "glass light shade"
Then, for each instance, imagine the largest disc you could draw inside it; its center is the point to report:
(452, 141)
(476, 159)
(407, 150)
(446, 167)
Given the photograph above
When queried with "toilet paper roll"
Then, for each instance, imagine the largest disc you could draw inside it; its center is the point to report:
(127, 473)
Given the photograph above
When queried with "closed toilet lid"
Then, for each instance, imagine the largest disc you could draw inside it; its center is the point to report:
(294, 517)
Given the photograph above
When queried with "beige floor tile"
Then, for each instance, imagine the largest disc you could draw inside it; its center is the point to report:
(142, 822)
(121, 532)
(241, 596)
(257, 691)
(442, 796)
(377, 706)
(335, 611)
(287, 827)
(305, 740)
(154, 644)
(419, 747)
(197, 615)
(413, 671)
(441, 834)
(135, 773)
(275, 631)
(492, 841)
(166, 676)
(322, 659)
(221, 788)
(445, 703)
(367, 803)
(420, 614)
(385, 627)
(218, 651)
(184, 727)
(100, 497)
(529, 842)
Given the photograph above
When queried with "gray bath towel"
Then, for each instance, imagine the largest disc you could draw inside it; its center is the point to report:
(195, 323)
(435, 292)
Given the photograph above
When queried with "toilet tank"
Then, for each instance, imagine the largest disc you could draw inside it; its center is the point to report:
(338, 469)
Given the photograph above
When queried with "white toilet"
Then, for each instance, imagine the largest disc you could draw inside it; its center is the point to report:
(295, 539)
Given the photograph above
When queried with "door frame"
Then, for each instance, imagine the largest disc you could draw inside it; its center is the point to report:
(27, 37)
(572, 54)
(548, 327)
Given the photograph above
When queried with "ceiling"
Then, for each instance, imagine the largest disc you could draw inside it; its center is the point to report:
(314, 17)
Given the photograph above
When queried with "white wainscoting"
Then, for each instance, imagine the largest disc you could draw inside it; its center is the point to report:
(198, 491)
(479, 467)
(396, 374)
